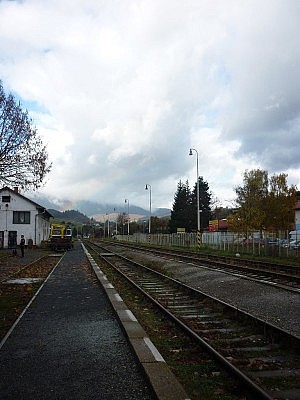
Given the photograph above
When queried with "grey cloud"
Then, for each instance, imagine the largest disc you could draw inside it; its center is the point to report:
(136, 89)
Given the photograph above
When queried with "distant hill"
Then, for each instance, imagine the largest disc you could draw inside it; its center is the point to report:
(89, 208)
(70, 216)
(162, 212)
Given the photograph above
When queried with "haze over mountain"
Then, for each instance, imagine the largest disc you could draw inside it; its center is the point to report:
(91, 209)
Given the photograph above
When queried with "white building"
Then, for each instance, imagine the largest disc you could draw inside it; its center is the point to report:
(21, 216)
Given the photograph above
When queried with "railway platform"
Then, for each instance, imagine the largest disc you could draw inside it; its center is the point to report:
(78, 340)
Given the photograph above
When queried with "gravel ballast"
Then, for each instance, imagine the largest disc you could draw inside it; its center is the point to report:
(269, 303)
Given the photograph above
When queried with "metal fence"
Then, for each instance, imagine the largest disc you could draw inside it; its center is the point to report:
(251, 243)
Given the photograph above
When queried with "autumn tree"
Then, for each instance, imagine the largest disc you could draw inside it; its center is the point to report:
(280, 203)
(159, 225)
(220, 212)
(122, 220)
(23, 157)
(251, 200)
(263, 202)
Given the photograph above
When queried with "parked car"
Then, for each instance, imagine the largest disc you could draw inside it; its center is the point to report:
(253, 242)
(269, 241)
(295, 244)
(284, 243)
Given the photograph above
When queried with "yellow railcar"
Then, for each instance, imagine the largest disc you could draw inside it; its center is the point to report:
(60, 237)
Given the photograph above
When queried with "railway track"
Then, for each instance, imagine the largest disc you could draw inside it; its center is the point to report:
(264, 359)
(18, 284)
(38, 267)
(282, 275)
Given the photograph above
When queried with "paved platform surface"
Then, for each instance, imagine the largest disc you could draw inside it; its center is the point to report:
(69, 343)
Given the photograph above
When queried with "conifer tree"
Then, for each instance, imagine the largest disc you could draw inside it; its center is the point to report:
(184, 213)
(204, 204)
(180, 212)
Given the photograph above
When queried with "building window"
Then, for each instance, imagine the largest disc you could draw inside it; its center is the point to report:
(21, 217)
(5, 199)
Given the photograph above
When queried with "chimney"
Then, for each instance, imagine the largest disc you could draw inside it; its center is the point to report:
(16, 190)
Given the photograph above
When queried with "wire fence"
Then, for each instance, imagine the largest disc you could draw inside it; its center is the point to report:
(283, 245)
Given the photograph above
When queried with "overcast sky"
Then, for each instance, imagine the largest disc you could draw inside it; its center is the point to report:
(120, 91)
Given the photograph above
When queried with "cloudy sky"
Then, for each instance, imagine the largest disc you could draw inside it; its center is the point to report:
(121, 89)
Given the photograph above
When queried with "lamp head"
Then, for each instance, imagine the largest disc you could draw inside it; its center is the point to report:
(146, 187)
(190, 153)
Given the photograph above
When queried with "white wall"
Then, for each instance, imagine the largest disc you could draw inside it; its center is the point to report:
(37, 229)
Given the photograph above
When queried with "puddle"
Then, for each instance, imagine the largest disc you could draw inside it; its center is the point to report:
(23, 281)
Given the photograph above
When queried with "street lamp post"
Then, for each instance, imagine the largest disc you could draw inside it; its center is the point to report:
(127, 201)
(198, 199)
(116, 223)
(107, 218)
(150, 195)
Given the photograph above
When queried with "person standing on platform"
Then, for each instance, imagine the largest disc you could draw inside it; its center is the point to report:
(22, 245)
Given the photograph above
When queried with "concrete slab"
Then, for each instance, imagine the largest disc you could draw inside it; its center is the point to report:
(163, 382)
(133, 330)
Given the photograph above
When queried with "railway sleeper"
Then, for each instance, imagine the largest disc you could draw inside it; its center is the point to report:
(275, 373)
(248, 339)
(276, 383)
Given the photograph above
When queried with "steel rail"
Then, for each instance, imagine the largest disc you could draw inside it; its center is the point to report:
(235, 372)
(233, 264)
(267, 324)
(15, 273)
(246, 382)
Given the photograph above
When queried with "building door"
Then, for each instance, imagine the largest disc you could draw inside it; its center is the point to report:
(1, 239)
(12, 239)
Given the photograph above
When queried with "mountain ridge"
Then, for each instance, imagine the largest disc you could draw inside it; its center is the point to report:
(90, 208)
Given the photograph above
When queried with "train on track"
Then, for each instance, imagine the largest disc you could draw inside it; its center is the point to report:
(60, 237)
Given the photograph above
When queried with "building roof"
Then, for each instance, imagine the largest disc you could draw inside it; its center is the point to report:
(40, 208)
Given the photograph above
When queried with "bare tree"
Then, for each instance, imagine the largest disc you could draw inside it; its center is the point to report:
(23, 157)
